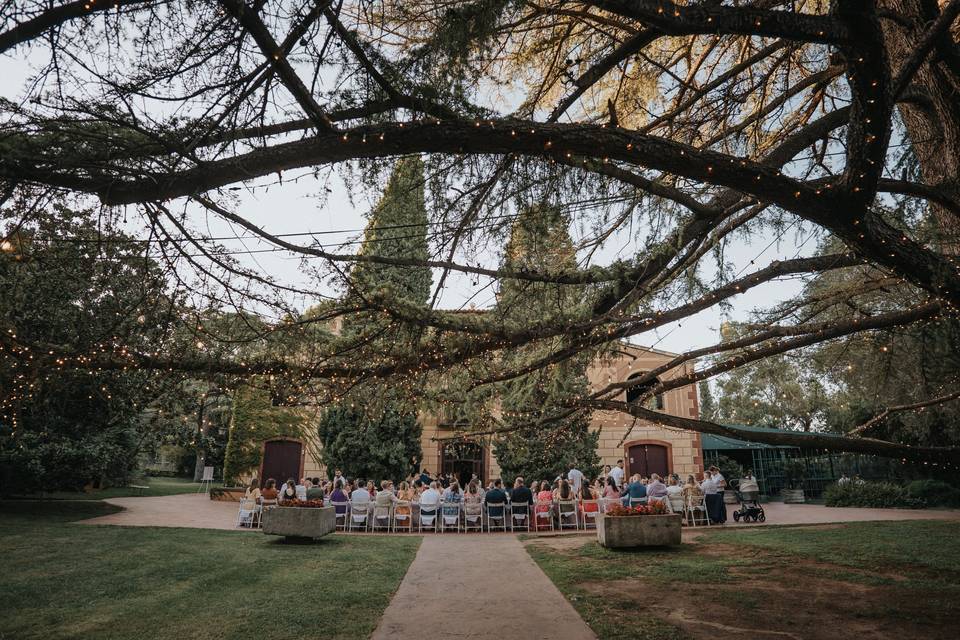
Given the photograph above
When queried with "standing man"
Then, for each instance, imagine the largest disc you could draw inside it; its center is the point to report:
(575, 476)
(617, 474)
(339, 476)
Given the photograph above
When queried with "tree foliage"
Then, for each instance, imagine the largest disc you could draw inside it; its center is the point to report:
(374, 432)
(667, 131)
(62, 428)
(540, 241)
(383, 447)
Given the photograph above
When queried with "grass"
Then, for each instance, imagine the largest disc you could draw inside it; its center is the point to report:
(874, 546)
(903, 576)
(66, 580)
(157, 487)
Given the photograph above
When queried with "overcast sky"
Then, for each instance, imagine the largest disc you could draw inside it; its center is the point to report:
(296, 207)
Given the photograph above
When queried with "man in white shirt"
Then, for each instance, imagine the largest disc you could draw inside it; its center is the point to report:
(575, 477)
(360, 494)
(617, 473)
(431, 495)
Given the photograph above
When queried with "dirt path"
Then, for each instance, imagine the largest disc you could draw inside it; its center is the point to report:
(479, 588)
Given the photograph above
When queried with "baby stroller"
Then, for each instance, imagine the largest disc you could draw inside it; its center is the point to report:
(750, 508)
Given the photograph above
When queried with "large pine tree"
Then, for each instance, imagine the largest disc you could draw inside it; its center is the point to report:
(374, 431)
(540, 241)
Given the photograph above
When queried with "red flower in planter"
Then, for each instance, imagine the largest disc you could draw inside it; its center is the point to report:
(652, 509)
(303, 504)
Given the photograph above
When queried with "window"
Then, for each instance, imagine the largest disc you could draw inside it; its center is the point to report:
(636, 392)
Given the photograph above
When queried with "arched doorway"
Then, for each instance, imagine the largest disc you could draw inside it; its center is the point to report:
(647, 457)
(282, 459)
(463, 459)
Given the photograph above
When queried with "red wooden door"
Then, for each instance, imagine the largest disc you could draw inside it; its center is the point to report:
(281, 461)
(646, 459)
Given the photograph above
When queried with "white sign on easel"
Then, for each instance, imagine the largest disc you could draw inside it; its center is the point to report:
(206, 480)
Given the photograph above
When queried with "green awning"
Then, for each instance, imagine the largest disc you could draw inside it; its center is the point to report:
(708, 441)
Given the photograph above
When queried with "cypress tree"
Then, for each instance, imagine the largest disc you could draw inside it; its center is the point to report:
(375, 431)
(540, 241)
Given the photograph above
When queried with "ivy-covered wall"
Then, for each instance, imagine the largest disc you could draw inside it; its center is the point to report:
(255, 419)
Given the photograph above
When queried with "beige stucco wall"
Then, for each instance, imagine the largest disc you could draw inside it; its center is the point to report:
(686, 456)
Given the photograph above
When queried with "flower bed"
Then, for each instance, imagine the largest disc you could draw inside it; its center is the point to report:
(654, 509)
(640, 526)
(302, 504)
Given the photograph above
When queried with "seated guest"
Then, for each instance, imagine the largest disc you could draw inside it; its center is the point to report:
(520, 494)
(339, 495)
(472, 494)
(544, 505)
(431, 496)
(610, 492)
(673, 486)
(564, 491)
(496, 495)
(270, 490)
(589, 493)
(635, 490)
(372, 488)
(656, 488)
(385, 497)
(452, 492)
(289, 491)
(315, 491)
(360, 494)
(253, 491)
(425, 478)
(691, 488)
(407, 492)
(301, 488)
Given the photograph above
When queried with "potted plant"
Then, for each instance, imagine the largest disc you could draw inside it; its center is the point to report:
(793, 471)
(641, 526)
(300, 519)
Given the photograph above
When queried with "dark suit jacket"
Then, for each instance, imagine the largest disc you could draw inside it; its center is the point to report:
(521, 495)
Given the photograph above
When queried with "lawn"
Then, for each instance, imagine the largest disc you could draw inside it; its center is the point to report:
(66, 580)
(157, 487)
(876, 580)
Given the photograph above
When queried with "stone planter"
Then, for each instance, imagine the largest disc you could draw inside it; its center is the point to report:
(296, 522)
(792, 496)
(625, 532)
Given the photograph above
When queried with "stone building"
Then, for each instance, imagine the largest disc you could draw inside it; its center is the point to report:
(644, 447)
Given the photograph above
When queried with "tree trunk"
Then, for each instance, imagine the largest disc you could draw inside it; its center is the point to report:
(201, 432)
(931, 110)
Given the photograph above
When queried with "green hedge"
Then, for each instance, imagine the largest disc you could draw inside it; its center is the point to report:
(871, 494)
(934, 493)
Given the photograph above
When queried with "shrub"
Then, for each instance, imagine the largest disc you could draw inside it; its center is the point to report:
(871, 494)
(934, 493)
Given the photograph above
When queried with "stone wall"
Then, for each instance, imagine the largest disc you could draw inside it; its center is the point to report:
(614, 427)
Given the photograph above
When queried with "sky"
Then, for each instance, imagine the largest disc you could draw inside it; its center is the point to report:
(304, 205)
